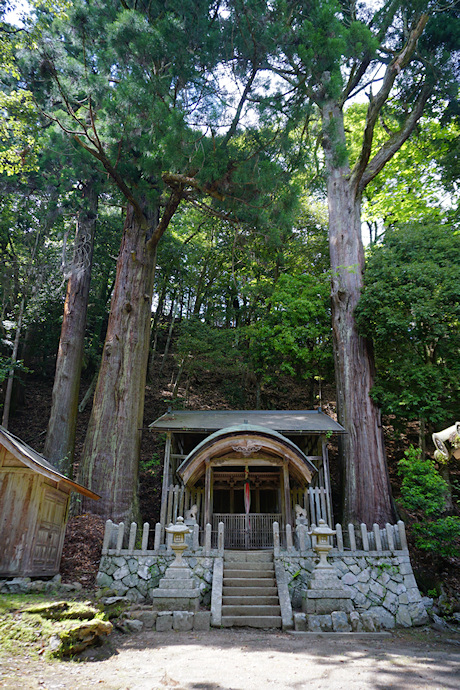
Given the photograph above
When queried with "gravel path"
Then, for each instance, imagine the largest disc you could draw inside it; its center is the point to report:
(249, 660)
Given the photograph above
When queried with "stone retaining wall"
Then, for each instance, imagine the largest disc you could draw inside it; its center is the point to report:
(135, 576)
(381, 584)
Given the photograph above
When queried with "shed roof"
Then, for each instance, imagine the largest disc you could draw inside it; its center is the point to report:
(283, 421)
(35, 461)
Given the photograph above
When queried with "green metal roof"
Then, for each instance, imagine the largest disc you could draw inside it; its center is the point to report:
(283, 421)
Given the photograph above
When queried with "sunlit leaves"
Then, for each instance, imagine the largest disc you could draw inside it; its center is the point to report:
(18, 133)
(410, 307)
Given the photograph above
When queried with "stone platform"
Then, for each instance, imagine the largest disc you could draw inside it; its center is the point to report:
(177, 591)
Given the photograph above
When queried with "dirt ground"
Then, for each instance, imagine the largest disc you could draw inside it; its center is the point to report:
(249, 660)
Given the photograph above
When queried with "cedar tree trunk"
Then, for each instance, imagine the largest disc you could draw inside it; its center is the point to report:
(109, 463)
(367, 492)
(60, 437)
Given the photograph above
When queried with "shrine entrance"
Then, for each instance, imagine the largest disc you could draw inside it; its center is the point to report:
(248, 501)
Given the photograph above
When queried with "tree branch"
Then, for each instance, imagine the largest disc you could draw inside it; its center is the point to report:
(243, 99)
(170, 209)
(174, 179)
(116, 177)
(394, 143)
(393, 69)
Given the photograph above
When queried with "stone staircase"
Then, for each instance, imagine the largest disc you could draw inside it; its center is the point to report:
(249, 591)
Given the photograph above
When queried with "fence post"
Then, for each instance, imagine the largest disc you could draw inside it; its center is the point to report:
(156, 543)
(220, 539)
(120, 535)
(312, 536)
(207, 540)
(377, 536)
(390, 537)
(351, 534)
(196, 537)
(145, 536)
(338, 529)
(364, 537)
(301, 529)
(276, 539)
(289, 544)
(107, 535)
(132, 536)
(402, 535)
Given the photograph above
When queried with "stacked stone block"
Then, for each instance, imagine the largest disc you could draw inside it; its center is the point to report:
(136, 576)
(381, 585)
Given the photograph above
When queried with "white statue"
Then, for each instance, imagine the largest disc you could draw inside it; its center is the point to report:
(300, 514)
(447, 443)
(192, 513)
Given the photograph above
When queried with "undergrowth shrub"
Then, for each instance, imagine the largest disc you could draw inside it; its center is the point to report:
(423, 493)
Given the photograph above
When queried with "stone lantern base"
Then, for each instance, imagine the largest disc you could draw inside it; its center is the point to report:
(177, 591)
(326, 593)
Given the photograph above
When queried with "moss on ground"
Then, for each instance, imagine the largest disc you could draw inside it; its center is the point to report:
(29, 621)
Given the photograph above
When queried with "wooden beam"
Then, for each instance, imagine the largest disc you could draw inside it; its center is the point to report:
(207, 492)
(327, 481)
(166, 482)
(287, 492)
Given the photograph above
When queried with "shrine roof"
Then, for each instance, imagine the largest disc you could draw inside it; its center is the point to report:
(231, 434)
(283, 421)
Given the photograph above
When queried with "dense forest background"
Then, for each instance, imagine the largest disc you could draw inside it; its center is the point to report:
(220, 296)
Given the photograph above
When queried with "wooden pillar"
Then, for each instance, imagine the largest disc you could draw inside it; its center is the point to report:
(287, 492)
(207, 492)
(166, 481)
(327, 481)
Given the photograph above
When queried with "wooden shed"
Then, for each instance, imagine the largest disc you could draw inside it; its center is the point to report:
(34, 503)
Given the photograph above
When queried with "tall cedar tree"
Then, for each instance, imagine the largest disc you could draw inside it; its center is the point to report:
(402, 56)
(142, 91)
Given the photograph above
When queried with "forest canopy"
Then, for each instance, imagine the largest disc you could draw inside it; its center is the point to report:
(191, 182)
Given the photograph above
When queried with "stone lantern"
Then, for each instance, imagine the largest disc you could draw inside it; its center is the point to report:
(177, 590)
(323, 545)
(325, 593)
(178, 543)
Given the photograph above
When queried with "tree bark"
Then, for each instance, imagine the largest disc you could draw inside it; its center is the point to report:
(109, 464)
(367, 492)
(60, 437)
(14, 359)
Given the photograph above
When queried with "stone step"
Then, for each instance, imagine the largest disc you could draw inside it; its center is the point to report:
(250, 600)
(250, 565)
(251, 621)
(251, 610)
(248, 556)
(248, 574)
(249, 582)
(249, 591)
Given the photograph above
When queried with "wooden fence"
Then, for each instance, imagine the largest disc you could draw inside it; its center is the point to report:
(179, 499)
(118, 540)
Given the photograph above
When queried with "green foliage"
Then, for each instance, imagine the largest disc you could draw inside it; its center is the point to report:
(410, 307)
(6, 365)
(293, 337)
(441, 536)
(423, 492)
(150, 464)
(413, 186)
(422, 488)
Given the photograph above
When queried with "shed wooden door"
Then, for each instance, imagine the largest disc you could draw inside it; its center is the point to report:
(17, 518)
(49, 536)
